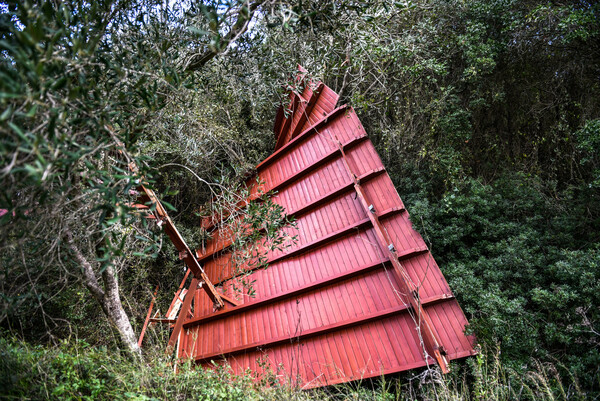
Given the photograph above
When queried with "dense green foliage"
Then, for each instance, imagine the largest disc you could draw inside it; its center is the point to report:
(486, 115)
(77, 371)
(68, 102)
(525, 279)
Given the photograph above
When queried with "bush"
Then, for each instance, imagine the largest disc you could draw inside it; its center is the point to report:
(522, 270)
(77, 371)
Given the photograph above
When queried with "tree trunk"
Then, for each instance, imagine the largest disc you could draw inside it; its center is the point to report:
(107, 296)
(113, 308)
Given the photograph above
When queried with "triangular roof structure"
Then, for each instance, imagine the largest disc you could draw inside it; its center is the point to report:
(358, 295)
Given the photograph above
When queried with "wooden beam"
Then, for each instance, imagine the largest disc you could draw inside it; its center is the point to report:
(283, 135)
(300, 211)
(162, 320)
(181, 246)
(229, 299)
(187, 273)
(185, 308)
(318, 330)
(284, 295)
(307, 110)
(147, 318)
(431, 339)
(278, 120)
(163, 218)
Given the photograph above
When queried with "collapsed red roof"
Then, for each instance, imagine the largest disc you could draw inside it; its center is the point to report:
(358, 295)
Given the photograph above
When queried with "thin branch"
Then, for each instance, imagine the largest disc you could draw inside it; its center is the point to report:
(90, 280)
(198, 60)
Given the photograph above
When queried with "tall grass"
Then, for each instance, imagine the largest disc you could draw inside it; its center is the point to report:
(77, 371)
(484, 377)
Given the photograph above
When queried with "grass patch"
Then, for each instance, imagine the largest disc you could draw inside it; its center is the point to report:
(78, 371)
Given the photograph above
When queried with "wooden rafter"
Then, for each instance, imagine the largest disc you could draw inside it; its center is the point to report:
(185, 308)
(147, 318)
(163, 219)
(189, 258)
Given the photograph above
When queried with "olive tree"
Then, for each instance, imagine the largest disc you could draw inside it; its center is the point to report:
(84, 87)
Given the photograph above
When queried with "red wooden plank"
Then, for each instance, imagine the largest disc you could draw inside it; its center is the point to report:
(317, 331)
(278, 122)
(182, 313)
(328, 238)
(326, 157)
(310, 130)
(287, 178)
(147, 318)
(306, 111)
(284, 134)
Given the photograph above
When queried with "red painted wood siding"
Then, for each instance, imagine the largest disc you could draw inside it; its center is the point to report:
(328, 309)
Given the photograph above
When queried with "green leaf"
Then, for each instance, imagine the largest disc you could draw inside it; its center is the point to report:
(20, 133)
(198, 31)
(168, 206)
(32, 111)
(59, 83)
(6, 113)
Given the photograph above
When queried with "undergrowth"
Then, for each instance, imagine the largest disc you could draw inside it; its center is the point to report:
(78, 371)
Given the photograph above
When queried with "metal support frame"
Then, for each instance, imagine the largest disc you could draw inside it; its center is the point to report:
(147, 317)
(185, 308)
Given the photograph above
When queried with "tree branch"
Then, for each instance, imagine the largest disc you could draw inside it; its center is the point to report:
(198, 60)
(89, 277)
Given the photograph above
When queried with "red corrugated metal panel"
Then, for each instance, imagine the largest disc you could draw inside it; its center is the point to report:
(329, 308)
